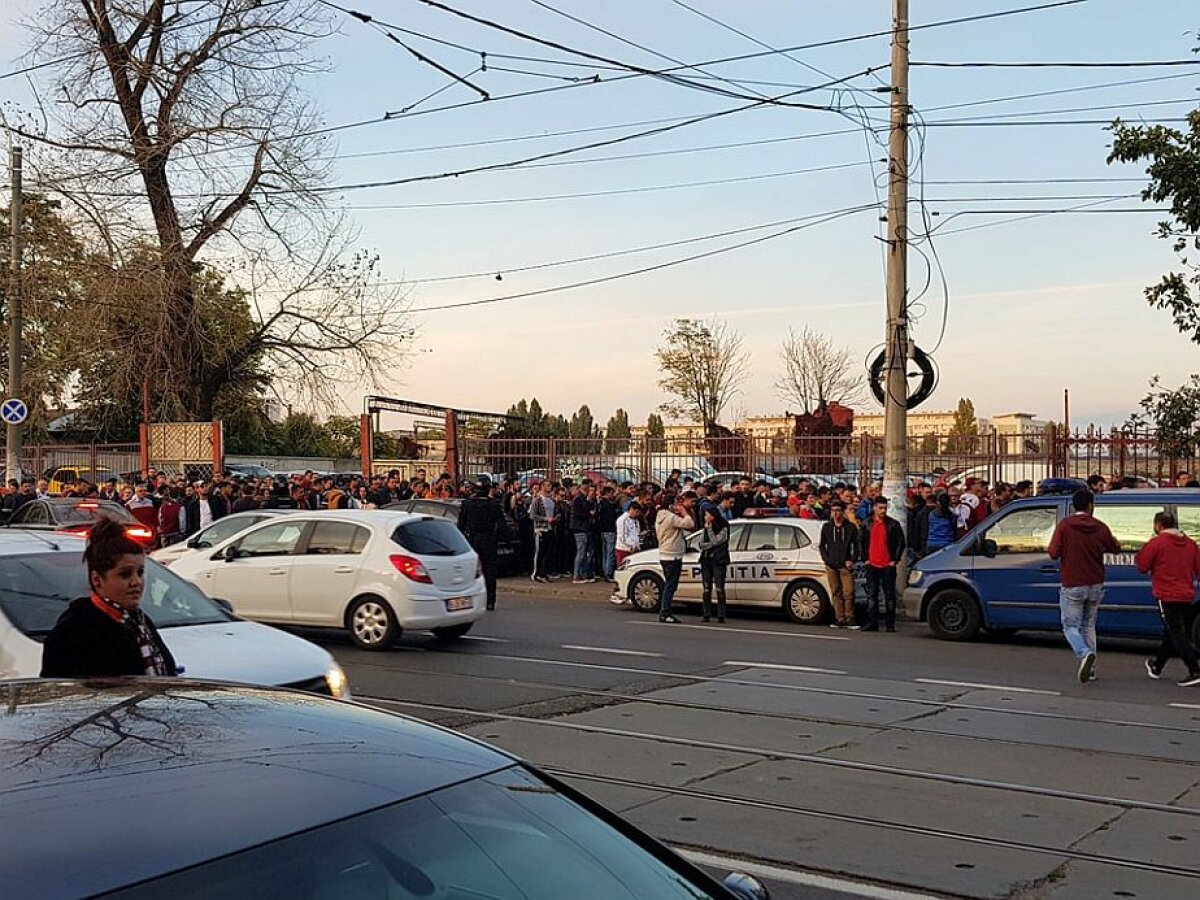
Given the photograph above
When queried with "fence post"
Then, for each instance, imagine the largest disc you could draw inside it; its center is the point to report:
(218, 446)
(365, 450)
(452, 445)
(551, 460)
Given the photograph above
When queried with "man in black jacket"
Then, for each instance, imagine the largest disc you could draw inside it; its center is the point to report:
(839, 550)
(480, 518)
(881, 547)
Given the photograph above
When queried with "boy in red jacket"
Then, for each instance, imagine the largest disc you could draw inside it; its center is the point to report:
(1173, 561)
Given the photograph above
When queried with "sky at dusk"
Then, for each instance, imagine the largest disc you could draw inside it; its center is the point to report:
(1034, 306)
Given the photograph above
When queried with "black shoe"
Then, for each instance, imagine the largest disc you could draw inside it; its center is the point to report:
(491, 606)
(1152, 670)
(721, 619)
(1087, 667)
(1191, 681)
(670, 620)
(891, 629)
(869, 628)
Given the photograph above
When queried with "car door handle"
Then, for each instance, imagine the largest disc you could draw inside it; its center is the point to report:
(277, 571)
(1050, 569)
(344, 570)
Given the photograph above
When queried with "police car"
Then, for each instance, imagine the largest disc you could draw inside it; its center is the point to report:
(772, 563)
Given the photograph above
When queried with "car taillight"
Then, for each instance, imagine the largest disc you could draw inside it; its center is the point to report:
(139, 532)
(478, 567)
(411, 568)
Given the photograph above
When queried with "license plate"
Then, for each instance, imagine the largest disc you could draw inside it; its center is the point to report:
(454, 604)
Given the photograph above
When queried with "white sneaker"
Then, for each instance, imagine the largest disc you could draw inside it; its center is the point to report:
(1087, 668)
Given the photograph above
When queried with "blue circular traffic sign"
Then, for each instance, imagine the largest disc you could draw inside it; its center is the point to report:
(14, 411)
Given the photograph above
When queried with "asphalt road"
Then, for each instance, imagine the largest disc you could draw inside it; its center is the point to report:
(831, 763)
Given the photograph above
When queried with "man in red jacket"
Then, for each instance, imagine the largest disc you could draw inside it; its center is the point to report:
(1173, 561)
(1079, 544)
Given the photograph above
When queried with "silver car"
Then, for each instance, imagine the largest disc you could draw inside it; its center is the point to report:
(773, 562)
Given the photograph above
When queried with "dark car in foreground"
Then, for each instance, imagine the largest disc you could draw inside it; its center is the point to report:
(76, 515)
(149, 788)
(508, 549)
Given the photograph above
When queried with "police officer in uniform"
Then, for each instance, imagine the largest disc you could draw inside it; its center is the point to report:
(480, 518)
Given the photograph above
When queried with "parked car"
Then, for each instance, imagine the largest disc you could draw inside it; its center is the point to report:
(773, 563)
(216, 533)
(508, 549)
(77, 516)
(998, 576)
(228, 791)
(249, 470)
(60, 477)
(41, 575)
(375, 573)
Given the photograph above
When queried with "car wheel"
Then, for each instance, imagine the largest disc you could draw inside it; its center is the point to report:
(645, 592)
(452, 632)
(372, 623)
(954, 615)
(806, 603)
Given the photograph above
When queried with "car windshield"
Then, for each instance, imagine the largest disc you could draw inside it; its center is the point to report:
(35, 589)
(431, 537)
(505, 836)
(86, 513)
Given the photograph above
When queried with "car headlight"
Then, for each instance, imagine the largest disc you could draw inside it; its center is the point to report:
(915, 577)
(339, 684)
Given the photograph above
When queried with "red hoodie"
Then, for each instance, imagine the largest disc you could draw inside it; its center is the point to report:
(1080, 542)
(1173, 561)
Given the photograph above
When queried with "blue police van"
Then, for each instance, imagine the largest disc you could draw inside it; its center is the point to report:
(999, 578)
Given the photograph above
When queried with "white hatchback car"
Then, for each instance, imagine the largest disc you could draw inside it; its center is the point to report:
(40, 574)
(375, 573)
(773, 562)
(216, 533)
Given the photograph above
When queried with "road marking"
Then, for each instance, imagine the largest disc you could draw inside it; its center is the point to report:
(781, 667)
(1185, 705)
(615, 650)
(787, 634)
(480, 637)
(987, 687)
(791, 876)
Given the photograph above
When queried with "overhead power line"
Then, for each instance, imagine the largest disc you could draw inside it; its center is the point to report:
(1059, 65)
(643, 270)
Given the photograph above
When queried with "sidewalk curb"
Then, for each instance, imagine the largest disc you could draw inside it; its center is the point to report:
(563, 590)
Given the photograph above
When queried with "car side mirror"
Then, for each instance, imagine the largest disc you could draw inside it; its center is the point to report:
(231, 553)
(988, 548)
(193, 544)
(224, 604)
(746, 886)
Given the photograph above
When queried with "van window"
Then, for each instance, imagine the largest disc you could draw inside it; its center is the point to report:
(1189, 520)
(1024, 531)
(1131, 525)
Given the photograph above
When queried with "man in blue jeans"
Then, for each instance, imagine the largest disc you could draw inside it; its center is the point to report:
(671, 527)
(583, 523)
(1079, 544)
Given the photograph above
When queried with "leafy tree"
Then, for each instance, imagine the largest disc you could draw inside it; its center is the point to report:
(145, 96)
(1175, 416)
(1173, 166)
(303, 435)
(581, 423)
(703, 366)
(617, 433)
(965, 428)
(817, 373)
(656, 434)
(929, 444)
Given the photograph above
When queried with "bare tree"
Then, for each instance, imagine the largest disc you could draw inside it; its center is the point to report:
(181, 126)
(817, 373)
(703, 366)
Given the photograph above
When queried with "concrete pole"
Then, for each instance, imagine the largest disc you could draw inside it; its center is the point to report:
(895, 408)
(15, 319)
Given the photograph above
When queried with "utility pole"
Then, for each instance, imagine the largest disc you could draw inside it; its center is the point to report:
(895, 407)
(15, 316)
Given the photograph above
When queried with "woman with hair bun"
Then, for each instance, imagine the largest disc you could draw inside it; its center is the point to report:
(106, 633)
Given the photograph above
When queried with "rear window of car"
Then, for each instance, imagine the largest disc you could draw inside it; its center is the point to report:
(82, 514)
(431, 537)
(35, 589)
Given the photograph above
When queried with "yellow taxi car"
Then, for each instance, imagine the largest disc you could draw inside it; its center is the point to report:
(773, 562)
(62, 477)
